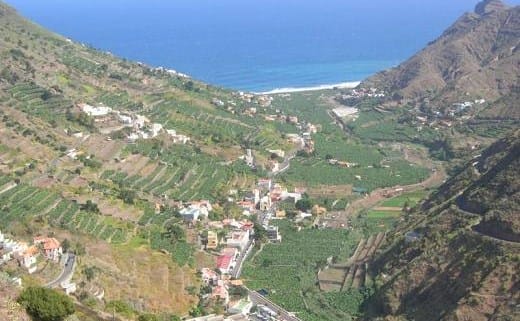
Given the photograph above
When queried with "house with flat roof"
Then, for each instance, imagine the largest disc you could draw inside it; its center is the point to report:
(212, 240)
(238, 239)
(28, 258)
(273, 234)
(220, 292)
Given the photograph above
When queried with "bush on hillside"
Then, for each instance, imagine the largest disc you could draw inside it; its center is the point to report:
(46, 304)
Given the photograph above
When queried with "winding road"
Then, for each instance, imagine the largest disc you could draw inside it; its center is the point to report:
(66, 273)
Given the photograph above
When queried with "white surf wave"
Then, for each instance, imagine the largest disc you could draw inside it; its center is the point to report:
(351, 84)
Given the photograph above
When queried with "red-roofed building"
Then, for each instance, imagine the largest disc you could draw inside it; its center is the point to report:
(247, 205)
(51, 247)
(220, 292)
(248, 226)
(225, 263)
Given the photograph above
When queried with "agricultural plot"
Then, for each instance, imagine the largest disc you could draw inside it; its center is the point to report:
(178, 172)
(120, 100)
(82, 64)
(288, 270)
(312, 172)
(410, 199)
(340, 148)
(24, 203)
(38, 101)
(392, 130)
(352, 273)
(203, 125)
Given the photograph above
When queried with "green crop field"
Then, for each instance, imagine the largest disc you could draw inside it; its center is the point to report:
(374, 214)
(409, 198)
(315, 172)
(288, 270)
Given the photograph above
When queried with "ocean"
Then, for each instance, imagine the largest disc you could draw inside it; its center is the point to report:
(254, 45)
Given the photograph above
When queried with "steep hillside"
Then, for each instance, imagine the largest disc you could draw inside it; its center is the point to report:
(79, 177)
(457, 256)
(477, 57)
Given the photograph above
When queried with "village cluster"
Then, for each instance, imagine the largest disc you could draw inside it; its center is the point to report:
(141, 126)
(446, 117)
(231, 241)
(302, 140)
(231, 106)
(358, 93)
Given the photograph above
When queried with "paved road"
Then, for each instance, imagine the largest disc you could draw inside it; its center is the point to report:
(66, 274)
(240, 261)
(259, 299)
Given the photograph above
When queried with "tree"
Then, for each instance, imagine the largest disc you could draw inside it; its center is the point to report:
(304, 204)
(91, 207)
(127, 196)
(46, 304)
(267, 263)
(89, 273)
(175, 233)
(260, 233)
(65, 245)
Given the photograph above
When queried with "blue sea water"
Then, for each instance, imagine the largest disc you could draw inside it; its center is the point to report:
(255, 45)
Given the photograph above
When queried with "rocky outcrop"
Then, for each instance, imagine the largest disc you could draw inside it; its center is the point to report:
(489, 6)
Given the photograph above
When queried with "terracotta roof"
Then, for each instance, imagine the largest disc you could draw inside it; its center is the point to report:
(49, 243)
(31, 251)
(224, 261)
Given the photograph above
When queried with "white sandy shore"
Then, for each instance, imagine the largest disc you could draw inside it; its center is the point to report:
(351, 84)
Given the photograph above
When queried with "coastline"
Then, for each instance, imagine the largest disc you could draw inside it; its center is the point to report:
(343, 85)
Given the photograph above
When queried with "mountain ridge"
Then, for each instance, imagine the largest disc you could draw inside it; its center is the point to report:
(477, 57)
(451, 261)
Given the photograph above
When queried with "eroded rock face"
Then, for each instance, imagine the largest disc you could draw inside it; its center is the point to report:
(489, 6)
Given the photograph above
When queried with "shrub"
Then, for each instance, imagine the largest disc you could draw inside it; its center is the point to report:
(45, 304)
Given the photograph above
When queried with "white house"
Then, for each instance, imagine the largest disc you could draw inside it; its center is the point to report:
(156, 129)
(238, 239)
(196, 210)
(95, 111)
(127, 120)
(265, 203)
(28, 258)
(140, 121)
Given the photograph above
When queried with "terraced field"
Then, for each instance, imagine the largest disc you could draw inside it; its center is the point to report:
(22, 203)
(38, 101)
(352, 273)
